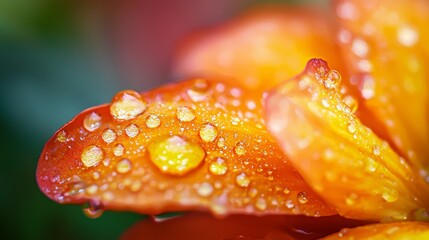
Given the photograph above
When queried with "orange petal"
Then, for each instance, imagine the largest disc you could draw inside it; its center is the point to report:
(261, 48)
(401, 230)
(344, 161)
(203, 226)
(386, 45)
(198, 144)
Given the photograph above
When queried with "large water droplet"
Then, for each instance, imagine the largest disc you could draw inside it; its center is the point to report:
(332, 80)
(240, 149)
(185, 114)
(175, 155)
(92, 122)
(62, 136)
(118, 150)
(93, 209)
(123, 166)
(127, 105)
(152, 121)
(109, 135)
(208, 132)
(199, 91)
(132, 130)
(302, 197)
(242, 180)
(218, 167)
(91, 156)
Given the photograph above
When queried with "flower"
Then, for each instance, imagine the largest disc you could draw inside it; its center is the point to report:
(313, 145)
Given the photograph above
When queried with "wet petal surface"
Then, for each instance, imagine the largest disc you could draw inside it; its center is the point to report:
(260, 48)
(198, 144)
(344, 161)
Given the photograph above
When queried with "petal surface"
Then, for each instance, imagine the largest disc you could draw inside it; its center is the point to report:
(203, 226)
(260, 48)
(385, 44)
(198, 144)
(400, 231)
(344, 161)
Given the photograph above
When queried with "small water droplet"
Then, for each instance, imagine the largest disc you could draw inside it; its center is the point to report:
(351, 127)
(118, 150)
(221, 142)
(152, 121)
(289, 204)
(127, 105)
(376, 150)
(91, 189)
(185, 114)
(360, 47)
(242, 180)
(261, 204)
(407, 36)
(286, 191)
(135, 186)
(302, 197)
(109, 135)
(240, 149)
(205, 189)
(367, 87)
(208, 132)
(372, 165)
(92, 122)
(390, 196)
(93, 209)
(218, 167)
(352, 103)
(175, 155)
(62, 136)
(332, 80)
(123, 166)
(132, 130)
(91, 156)
(199, 90)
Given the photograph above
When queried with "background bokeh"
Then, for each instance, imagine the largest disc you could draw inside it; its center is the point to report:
(58, 58)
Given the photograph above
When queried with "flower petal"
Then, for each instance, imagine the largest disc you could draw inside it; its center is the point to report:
(198, 144)
(385, 44)
(203, 226)
(261, 48)
(400, 230)
(344, 161)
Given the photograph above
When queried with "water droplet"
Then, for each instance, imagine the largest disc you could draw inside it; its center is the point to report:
(91, 156)
(289, 204)
(175, 155)
(242, 180)
(136, 186)
(208, 132)
(205, 189)
(286, 191)
(360, 47)
(92, 122)
(199, 90)
(185, 114)
(152, 121)
(376, 150)
(390, 196)
(62, 136)
(351, 127)
(118, 150)
(221, 142)
(352, 103)
(372, 165)
(240, 149)
(261, 204)
(351, 200)
(132, 130)
(109, 135)
(91, 189)
(302, 197)
(218, 167)
(367, 87)
(407, 36)
(127, 105)
(92, 209)
(332, 80)
(123, 166)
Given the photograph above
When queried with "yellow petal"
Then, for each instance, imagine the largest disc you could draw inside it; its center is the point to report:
(344, 161)
(386, 45)
(402, 231)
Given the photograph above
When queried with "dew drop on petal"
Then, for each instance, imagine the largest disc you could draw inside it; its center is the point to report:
(376, 150)
(175, 155)
(91, 189)
(261, 204)
(152, 121)
(92, 209)
(205, 189)
(118, 150)
(185, 114)
(390, 196)
(208, 132)
(407, 36)
(62, 136)
(123, 166)
(218, 167)
(221, 142)
(199, 90)
(302, 197)
(242, 180)
(332, 80)
(109, 135)
(92, 122)
(91, 156)
(352, 103)
(351, 127)
(240, 149)
(132, 130)
(127, 105)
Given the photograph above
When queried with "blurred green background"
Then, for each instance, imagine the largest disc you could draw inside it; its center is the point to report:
(58, 58)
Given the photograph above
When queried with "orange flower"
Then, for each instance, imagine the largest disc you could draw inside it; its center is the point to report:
(314, 145)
